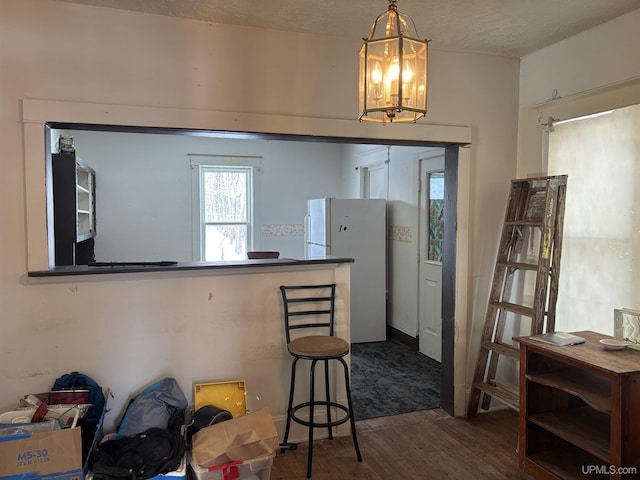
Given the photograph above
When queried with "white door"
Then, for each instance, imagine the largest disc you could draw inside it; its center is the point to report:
(375, 181)
(430, 254)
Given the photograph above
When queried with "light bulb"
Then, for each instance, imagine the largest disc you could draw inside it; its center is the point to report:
(376, 74)
(393, 73)
(407, 73)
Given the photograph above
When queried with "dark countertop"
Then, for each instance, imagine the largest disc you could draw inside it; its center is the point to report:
(143, 267)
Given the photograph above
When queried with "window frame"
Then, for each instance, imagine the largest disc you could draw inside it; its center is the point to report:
(201, 163)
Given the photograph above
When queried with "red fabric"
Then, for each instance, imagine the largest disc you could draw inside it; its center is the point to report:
(229, 470)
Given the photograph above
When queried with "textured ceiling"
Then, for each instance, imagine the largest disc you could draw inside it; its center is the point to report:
(502, 27)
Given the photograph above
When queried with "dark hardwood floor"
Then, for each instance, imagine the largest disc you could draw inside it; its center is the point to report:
(415, 446)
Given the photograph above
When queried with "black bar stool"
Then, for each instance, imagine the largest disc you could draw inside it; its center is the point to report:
(312, 307)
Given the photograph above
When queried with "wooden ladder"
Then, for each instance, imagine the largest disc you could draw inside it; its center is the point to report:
(528, 260)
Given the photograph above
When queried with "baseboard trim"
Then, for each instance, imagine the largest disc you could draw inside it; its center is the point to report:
(403, 338)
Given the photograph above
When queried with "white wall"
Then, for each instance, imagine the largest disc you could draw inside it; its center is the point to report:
(58, 51)
(403, 202)
(603, 55)
(584, 71)
(594, 71)
(144, 191)
(404, 238)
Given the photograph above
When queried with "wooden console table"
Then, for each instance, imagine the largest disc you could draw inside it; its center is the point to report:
(579, 410)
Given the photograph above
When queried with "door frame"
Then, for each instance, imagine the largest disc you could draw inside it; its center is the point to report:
(454, 278)
(450, 377)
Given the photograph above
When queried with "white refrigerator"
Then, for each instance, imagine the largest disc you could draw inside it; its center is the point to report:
(355, 228)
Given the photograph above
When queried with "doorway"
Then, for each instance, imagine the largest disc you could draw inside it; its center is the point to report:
(417, 288)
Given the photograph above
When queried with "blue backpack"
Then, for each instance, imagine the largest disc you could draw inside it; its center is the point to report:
(91, 424)
(96, 396)
(157, 406)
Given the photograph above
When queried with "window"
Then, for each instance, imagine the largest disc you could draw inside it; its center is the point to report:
(436, 215)
(600, 232)
(225, 212)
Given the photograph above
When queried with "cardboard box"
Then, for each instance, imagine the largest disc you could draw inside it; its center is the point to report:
(48, 455)
(52, 455)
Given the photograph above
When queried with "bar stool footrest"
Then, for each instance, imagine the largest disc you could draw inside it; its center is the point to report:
(333, 423)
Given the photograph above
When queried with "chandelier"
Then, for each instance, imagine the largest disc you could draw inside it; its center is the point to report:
(393, 70)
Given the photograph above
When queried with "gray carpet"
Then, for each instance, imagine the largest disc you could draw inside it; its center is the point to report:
(388, 378)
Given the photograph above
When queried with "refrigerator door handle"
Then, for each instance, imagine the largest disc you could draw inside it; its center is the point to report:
(319, 244)
(307, 228)
(307, 219)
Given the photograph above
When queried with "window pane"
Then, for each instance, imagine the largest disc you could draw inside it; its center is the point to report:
(436, 215)
(225, 242)
(225, 196)
(436, 186)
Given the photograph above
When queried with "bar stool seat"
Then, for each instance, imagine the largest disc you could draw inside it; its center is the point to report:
(312, 307)
(314, 346)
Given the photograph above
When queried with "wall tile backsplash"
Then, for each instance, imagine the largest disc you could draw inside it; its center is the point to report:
(396, 233)
(283, 230)
(400, 234)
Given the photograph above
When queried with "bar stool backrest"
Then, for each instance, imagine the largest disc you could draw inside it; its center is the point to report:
(309, 307)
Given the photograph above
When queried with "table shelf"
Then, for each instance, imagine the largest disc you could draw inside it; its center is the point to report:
(577, 411)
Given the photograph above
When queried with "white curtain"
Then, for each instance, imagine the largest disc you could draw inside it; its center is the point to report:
(601, 242)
